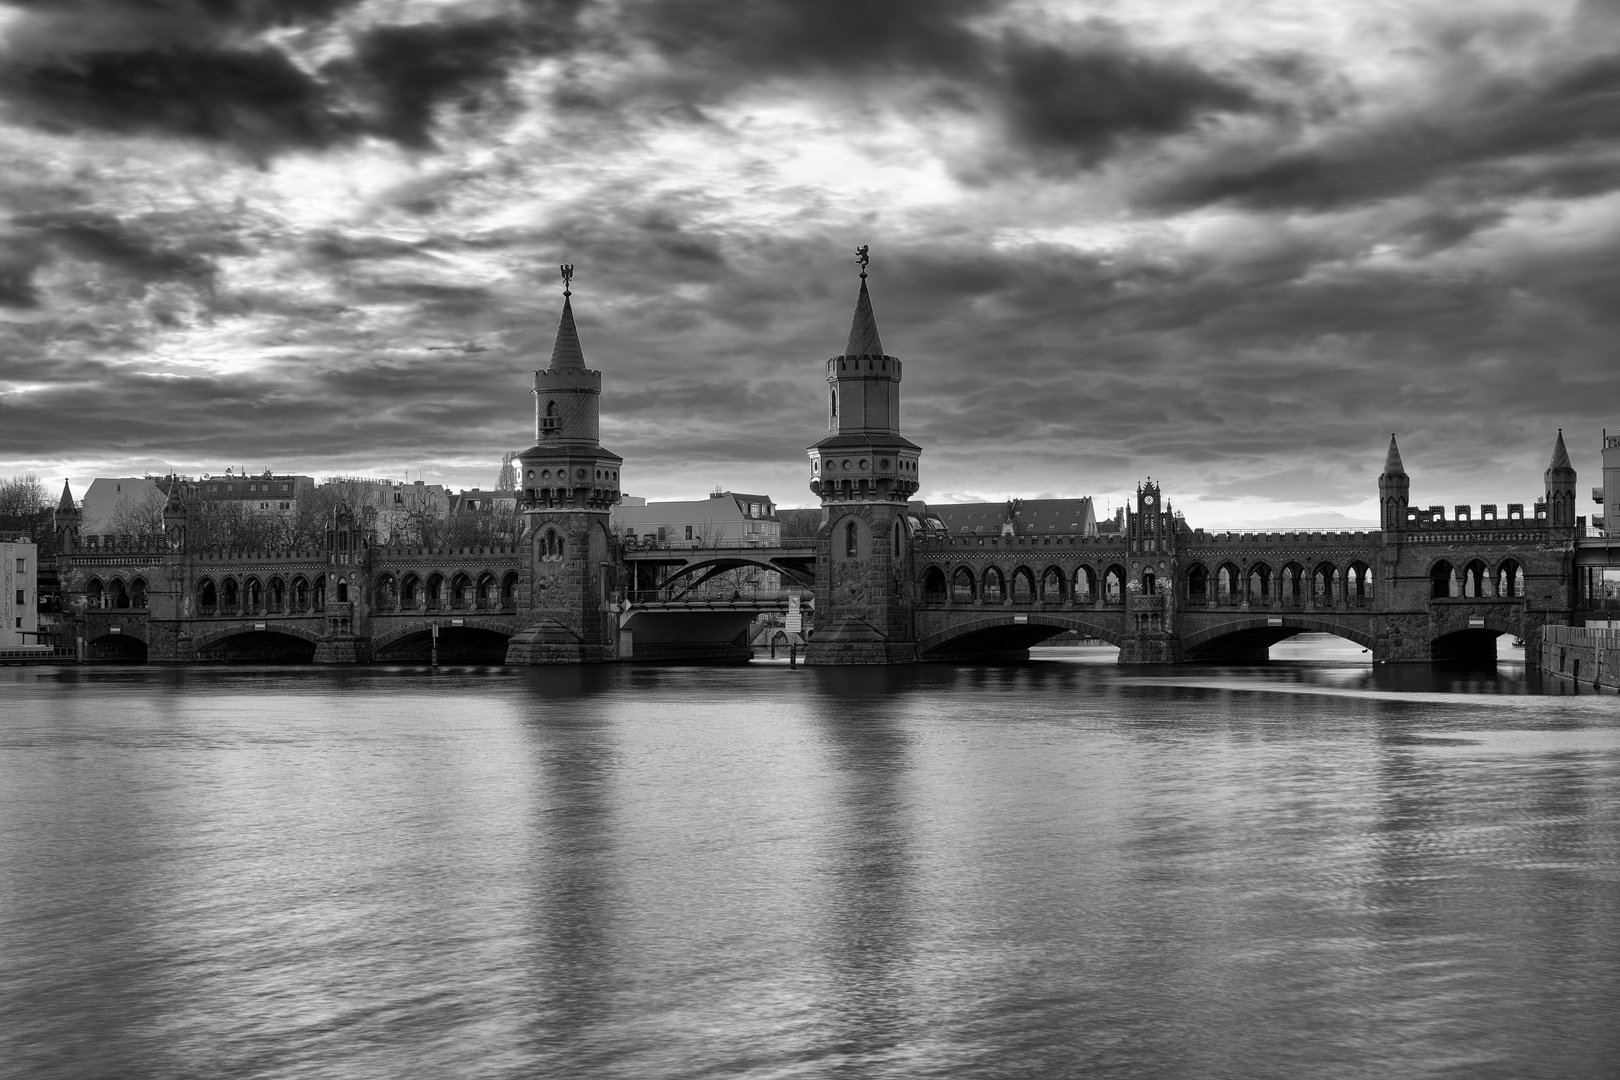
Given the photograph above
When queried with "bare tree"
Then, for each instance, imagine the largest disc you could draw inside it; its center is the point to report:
(799, 524)
(25, 507)
(134, 515)
(506, 479)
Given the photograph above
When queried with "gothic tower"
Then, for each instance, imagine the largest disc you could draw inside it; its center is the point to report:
(864, 471)
(1394, 493)
(67, 520)
(1560, 481)
(569, 484)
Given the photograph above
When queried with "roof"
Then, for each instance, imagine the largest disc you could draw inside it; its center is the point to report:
(1026, 515)
(863, 331)
(1392, 460)
(1560, 458)
(566, 354)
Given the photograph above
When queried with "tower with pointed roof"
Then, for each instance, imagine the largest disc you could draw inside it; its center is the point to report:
(864, 472)
(1560, 485)
(66, 520)
(175, 516)
(569, 483)
(1394, 492)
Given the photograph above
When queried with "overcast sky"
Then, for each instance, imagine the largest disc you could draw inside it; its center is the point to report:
(1229, 245)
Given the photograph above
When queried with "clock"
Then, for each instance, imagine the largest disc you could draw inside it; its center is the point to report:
(1147, 500)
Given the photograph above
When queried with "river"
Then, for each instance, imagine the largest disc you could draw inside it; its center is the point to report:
(1310, 868)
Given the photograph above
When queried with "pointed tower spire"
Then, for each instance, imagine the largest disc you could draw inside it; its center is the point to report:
(566, 354)
(1560, 458)
(863, 331)
(65, 505)
(1392, 460)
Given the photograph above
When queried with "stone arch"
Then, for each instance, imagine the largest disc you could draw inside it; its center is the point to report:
(1442, 580)
(94, 593)
(486, 592)
(934, 586)
(1001, 632)
(1054, 585)
(1085, 585)
(385, 592)
(509, 590)
(207, 596)
(434, 591)
(964, 590)
(461, 584)
(124, 647)
(393, 635)
(237, 629)
(1322, 590)
(1257, 583)
(1476, 578)
(137, 593)
(229, 596)
(1023, 585)
(319, 592)
(252, 595)
(1358, 585)
(410, 592)
(994, 589)
(1245, 637)
(1291, 583)
(1114, 584)
(1509, 577)
(1228, 584)
(117, 594)
(1198, 584)
(300, 593)
(275, 593)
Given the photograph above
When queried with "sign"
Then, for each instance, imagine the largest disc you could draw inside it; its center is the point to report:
(794, 623)
(458, 622)
(1020, 618)
(258, 626)
(115, 629)
(1475, 620)
(1273, 620)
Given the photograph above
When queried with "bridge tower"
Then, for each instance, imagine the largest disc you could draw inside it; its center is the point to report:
(569, 485)
(1394, 493)
(66, 520)
(865, 472)
(1150, 532)
(1560, 483)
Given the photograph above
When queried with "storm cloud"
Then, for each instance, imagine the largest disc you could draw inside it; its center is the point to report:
(1230, 248)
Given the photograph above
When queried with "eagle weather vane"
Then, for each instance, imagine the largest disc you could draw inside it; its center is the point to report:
(568, 278)
(862, 257)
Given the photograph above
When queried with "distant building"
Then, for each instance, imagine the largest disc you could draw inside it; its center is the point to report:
(1015, 517)
(110, 497)
(393, 502)
(19, 600)
(266, 493)
(477, 501)
(724, 519)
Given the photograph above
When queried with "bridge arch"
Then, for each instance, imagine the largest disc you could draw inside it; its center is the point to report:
(1248, 637)
(245, 641)
(481, 641)
(128, 646)
(986, 633)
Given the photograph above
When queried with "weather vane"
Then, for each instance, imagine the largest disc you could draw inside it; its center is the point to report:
(862, 257)
(568, 278)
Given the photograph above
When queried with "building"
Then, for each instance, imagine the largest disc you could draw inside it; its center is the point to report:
(265, 493)
(387, 507)
(19, 593)
(724, 519)
(1015, 517)
(478, 501)
(113, 504)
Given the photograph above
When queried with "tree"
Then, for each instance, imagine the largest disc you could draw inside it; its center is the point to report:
(506, 479)
(800, 524)
(24, 506)
(134, 515)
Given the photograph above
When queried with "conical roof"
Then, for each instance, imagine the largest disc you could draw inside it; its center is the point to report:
(1560, 458)
(566, 355)
(66, 504)
(1392, 460)
(863, 331)
(174, 505)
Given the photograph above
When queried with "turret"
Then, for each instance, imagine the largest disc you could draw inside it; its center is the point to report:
(1560, 483)
(66, 520)
(1394, 491)
(175, 516)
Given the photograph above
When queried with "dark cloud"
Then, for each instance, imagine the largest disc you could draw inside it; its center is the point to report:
(118, 245)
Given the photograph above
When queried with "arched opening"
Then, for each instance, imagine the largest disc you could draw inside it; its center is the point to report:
(1197, 584)
(1472, 648)
(1440, 580)
(319, 592)
(117, 594)
(1023, 585)
(1256, 644)
(487, 592)
(1085, 585)
(276, 594)
(934, 586)
(1476, 579)
(1228, 581)
(1322, 584)
(1358, 585)
(1259, 584)
(1291, 587)
(457, 645)
(228, 597)
(207, 597)
(962, 590)
(94, 594)
(1052, 583)
(509, 591)
(410, 593)
(1510, 578)
(137, 593)
(300, 594)
(385, 593)
(995, 586)
(1150, 583)
(460, 591)
(343, 590)
(252, 596)
(116, 649)
(435, 590)
(852, 540)
(1114, 585)
(259, 647)
(898, 533)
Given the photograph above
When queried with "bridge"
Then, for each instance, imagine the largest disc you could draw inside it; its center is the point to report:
(886, 581)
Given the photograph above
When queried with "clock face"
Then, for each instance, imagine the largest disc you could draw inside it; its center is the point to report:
(1147, 500)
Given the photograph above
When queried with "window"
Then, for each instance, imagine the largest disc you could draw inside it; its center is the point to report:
(851, 542)
(22, 566)
(689, 532)
(21, 599)
(286, 506)
(286, 487)
(399, 496)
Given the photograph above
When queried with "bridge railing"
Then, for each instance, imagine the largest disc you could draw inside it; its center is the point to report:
(750, 596)
(633, 544)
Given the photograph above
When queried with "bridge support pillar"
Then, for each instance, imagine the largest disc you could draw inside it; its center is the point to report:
(1151, 649)
(343, 649)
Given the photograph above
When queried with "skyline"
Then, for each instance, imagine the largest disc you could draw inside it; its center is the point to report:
(1230, 251)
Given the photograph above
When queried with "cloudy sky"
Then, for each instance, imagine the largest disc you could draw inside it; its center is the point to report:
(1229, 245)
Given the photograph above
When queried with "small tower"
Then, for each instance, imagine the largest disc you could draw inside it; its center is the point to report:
(569, 483)
(175, 517)
(864, 471)
(66, 520)
(1560, 481)
(1394, 492)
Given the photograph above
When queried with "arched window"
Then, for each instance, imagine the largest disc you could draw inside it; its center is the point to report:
(117, 595)
(934, 586)
(1259, 584)
(832, 399)
(962, 590)
(1475, 579)
(277, 593)
(1228, 578)
(1440, 580)
(1358, 585)
(1197, 584)
(1322, 583)
(435, 592)
(509, 589)
(410, 593)
(384, 593)
(252, 595)
(1085, 585)
(207, 597)
(137, 593)
(320, 592)
(852, 546)
(1510, 578)
(343, 590)
(300, 594)
(1150, 584)
(227, 596)
(995, 587)
(460, 591)
(1114, 585)
(897, 531)
(548, 422)
(1052, 583)
(1023, 585)
(1292, 579)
